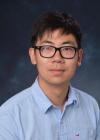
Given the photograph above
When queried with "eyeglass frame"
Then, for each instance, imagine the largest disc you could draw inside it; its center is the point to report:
(56, 49)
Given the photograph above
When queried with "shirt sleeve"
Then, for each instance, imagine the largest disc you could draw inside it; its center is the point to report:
(98, 129)
(8, 127)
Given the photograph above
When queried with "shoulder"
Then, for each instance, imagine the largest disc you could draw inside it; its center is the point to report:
(84, 96)
(13, 113)
(87, 101)
(18, 99)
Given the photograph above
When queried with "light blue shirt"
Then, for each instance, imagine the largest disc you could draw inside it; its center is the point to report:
(30, 115)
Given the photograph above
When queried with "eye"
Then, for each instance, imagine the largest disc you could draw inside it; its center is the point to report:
(68, 48)
(46, 48)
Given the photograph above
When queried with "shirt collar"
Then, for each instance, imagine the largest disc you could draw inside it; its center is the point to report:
(72, 97)
(44, 103)
(41, 99)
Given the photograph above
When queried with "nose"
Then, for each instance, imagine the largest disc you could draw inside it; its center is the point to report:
(57, 57)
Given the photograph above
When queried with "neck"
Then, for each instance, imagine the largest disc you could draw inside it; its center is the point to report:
(57, 94)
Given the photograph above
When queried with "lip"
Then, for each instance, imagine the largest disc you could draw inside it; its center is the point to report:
(57, 71)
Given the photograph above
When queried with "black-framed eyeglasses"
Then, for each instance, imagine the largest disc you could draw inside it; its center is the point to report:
(48, 51)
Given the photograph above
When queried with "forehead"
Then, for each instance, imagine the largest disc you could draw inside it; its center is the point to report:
(56, 37)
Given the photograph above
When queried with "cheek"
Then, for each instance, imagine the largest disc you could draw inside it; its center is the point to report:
(42, 65)
(73, 63)
(72, 66)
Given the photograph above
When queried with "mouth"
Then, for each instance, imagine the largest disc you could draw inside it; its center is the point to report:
(57, 72)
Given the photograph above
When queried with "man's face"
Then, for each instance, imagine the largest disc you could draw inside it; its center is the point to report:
(56, 71)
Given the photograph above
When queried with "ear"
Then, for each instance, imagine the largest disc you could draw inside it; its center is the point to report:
(32, 55)
(80, 56)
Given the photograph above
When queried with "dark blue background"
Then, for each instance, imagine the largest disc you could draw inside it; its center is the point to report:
(16, 18)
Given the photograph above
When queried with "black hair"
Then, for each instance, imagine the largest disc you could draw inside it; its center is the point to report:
(51, 21)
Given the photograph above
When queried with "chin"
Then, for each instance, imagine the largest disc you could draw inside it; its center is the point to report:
(57, 82)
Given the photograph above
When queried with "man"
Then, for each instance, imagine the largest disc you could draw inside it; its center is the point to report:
(51, 109)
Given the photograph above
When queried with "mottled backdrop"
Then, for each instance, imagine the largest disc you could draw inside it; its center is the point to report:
(16, 17)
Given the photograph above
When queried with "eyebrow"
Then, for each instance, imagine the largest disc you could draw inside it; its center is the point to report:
(64, 43)
(68, 42)
(47, 41)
